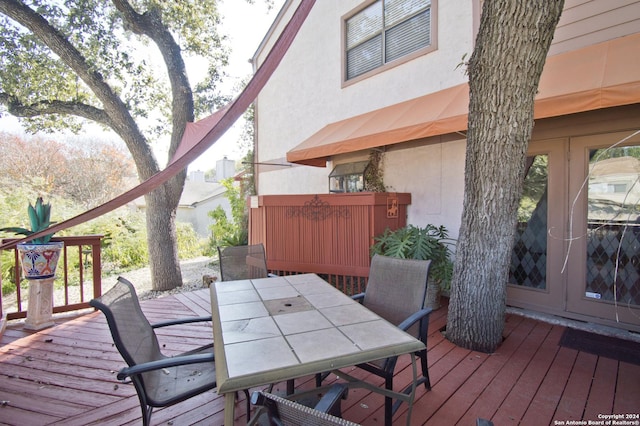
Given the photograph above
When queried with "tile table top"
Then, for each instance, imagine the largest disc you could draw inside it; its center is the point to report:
(273, 329)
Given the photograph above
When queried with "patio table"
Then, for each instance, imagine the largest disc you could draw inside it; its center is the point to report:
(270, 330)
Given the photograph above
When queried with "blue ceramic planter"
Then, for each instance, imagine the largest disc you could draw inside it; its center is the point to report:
(39, 261)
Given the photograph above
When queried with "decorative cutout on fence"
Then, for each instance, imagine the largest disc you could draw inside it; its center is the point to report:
(392, 207)
(316, 209)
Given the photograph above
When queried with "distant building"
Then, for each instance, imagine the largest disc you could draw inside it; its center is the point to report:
(197, 200)
(199, 197)
(196, 176)
(225, 168)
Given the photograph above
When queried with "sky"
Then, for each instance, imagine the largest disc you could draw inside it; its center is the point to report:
(245, 26)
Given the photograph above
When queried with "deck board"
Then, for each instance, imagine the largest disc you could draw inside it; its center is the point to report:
(65, 375)
(544, 407)
(529, 336)
(627, 389)
(602, 392)
(517, 401)
(484, 383)
(574, 388)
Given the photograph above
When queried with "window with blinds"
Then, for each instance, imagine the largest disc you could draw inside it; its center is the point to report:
(385, 31)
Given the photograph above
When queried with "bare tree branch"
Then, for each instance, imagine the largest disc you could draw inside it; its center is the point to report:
(54, 107)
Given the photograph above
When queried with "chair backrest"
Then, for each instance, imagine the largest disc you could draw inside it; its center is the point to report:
(396, 287)
(289, 413)
(242, 262)
(132, 334)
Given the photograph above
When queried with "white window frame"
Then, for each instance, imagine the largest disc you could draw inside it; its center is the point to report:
(385, 65)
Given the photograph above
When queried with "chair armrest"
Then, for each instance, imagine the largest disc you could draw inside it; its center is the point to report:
(414, 318)
(359, 297)
(164, 363)
(180, 321)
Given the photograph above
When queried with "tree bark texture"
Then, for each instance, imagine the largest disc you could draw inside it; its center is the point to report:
(504, 71)
(163, 249)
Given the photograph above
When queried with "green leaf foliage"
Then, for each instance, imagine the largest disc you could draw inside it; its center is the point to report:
(124, 245)
(189, 244)
(31, 74)
(231, 231)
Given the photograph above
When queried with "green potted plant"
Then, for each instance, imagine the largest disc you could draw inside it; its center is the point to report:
(38, 257)
(428, 243)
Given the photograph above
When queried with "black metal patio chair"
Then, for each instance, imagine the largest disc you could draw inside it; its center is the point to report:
(242, 262)
(159, 380)
(280, 411)
(396, 291)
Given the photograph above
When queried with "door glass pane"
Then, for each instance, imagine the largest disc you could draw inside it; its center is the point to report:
(529, 256)
(613, 234)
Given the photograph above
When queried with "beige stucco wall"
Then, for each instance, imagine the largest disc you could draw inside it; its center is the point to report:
(306, 93)
(434, 175)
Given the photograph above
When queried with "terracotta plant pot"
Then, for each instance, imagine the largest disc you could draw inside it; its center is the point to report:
(39, 261)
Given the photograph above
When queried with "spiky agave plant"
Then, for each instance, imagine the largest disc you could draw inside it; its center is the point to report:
(39, 218)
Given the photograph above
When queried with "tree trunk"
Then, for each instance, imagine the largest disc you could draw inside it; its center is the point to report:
(504, 72)
(161, 240)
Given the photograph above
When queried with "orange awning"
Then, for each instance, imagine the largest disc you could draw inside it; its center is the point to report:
(598, 76)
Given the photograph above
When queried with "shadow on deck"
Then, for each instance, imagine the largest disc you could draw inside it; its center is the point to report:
(66, 375)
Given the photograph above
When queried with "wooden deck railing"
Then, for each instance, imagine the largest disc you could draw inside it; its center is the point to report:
(327, 234)
(79, 285)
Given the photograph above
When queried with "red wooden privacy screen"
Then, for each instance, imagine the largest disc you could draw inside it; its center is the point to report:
(324, 233)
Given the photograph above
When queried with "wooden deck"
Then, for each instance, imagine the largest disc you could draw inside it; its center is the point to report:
(66, 375)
